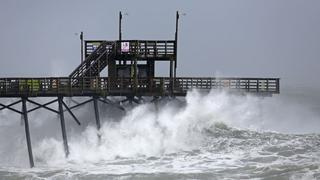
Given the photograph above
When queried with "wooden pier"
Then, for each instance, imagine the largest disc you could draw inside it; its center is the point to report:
(131, 74)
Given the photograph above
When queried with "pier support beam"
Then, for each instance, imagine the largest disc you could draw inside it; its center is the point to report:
(131, 99)
(26, 126)
(116, 104)
(63, 126)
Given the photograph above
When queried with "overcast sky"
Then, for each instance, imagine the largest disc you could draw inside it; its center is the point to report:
(243, 38)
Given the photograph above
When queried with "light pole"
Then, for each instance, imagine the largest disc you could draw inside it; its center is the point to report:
(176, 41)
(120, 29)
(81, 39)
(120, 24)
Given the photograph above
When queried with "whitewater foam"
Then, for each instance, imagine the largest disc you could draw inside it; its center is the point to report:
(217, 134)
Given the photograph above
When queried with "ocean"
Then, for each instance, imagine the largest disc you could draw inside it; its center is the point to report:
(216, 135)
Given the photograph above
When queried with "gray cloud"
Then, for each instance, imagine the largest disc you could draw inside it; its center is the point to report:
(274, 38)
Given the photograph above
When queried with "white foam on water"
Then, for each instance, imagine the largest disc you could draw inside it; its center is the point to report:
(150, 139)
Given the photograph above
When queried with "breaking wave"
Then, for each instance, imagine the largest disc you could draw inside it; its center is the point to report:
(218, 135)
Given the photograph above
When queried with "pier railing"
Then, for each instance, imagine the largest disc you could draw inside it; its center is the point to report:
(102, 86)
(144, 49)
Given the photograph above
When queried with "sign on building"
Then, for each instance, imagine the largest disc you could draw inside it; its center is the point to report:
(125, 47)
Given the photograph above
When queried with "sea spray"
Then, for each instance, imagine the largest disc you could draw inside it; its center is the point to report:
(147, 130)
(225, 134)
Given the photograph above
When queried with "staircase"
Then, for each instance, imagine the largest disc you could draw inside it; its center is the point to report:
(95, 62)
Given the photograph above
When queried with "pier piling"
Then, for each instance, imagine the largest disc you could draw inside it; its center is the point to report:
(96, 112)
(26, 126)
(63, 126)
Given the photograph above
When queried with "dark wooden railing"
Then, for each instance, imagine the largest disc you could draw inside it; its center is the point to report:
(148, 48)
(139, 48)
(63, 86)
